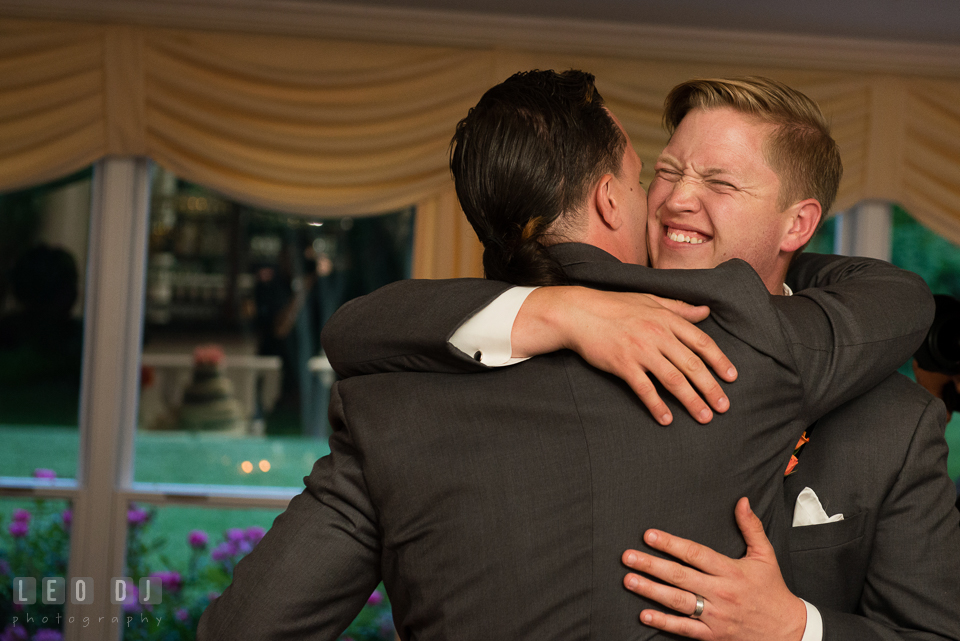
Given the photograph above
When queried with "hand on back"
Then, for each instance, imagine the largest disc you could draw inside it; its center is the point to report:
(633, 336)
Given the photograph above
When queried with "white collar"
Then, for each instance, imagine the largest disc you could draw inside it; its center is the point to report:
(786, 290)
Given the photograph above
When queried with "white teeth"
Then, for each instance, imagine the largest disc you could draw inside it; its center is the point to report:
(680, 238)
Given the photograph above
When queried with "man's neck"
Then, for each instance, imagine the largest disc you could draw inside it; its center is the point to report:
(611, 243)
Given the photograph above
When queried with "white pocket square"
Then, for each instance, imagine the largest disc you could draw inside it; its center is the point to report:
(808, 510)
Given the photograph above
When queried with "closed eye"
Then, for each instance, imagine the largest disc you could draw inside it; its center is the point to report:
(722, 183)
(668, 174)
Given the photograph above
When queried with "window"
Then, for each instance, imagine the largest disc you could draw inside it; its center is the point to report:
(172, 272)
(937, 260)
(43, 258)
(825, 240)
(889, 232)
(233, 384)
(44, 233)
(233, 387)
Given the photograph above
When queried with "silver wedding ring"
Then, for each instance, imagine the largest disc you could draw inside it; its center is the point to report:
(699, 609)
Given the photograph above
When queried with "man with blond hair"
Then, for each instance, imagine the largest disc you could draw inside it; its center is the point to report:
(749, 171)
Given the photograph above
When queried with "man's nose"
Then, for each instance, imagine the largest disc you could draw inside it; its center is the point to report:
(684, 196)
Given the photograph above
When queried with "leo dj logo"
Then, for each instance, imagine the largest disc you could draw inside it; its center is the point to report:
(53, 590)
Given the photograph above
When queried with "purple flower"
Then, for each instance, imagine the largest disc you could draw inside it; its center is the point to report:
(4, 568)
(182, 614)
(198, 539)
(132, 602)
(14, 633)
(223, 551)
(137, 516)
(67, 517)
(170, 580)
(43, 473)
(235, 535)
(375, 598)
(244, 547)
(19, 529)
(21, 516)
(47, 634)
(254, 534)
(212, 595)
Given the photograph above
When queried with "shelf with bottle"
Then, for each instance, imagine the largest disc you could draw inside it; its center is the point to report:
(193, 275)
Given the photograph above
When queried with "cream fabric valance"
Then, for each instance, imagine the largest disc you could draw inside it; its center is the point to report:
(331, 128)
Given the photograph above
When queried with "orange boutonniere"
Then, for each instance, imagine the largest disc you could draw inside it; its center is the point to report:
(793, 457)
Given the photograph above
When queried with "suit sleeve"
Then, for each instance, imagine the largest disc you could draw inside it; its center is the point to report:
(912, 586)
(851, 322)
(406, 326)
(314, 570)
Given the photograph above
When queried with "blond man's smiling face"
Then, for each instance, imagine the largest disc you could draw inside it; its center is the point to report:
(714, 197)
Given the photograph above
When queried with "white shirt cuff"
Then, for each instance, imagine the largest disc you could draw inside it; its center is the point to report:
(814, 629)
(486, 336)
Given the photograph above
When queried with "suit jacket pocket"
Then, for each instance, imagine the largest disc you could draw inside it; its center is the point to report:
(827, 535)
(830, 562)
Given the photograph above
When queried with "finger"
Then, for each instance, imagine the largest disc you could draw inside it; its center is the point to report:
(665, 371)
(692, 313)
(644, 389)
(671, 572)
(752, 529)
(693, 370)
(682, 601)
(683, 626)
(690, 552)
(698, 341)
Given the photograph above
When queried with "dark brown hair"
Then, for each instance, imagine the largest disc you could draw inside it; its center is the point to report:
(523, 161)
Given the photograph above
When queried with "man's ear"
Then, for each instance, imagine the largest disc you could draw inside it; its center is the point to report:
(804, 217)
(606, 203)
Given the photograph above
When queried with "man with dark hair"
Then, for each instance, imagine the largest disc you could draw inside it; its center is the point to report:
(497, 506)
(524, 159)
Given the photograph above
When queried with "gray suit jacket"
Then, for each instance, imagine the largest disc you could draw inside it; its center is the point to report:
(891, 568)
(497, 506)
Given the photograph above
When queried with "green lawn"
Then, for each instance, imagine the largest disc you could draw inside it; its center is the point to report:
(169, 457)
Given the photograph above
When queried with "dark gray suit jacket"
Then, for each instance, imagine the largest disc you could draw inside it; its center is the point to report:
(891, 568)
(497, 506)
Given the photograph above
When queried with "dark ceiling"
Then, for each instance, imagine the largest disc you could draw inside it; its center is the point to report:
(932, 21)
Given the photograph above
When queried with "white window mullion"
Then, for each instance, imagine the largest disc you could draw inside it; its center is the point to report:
(113, 320)
(866, 230)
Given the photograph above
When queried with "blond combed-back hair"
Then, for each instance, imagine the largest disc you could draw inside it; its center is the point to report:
(800, 149)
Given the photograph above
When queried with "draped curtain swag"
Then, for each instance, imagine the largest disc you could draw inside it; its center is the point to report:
(329, 128)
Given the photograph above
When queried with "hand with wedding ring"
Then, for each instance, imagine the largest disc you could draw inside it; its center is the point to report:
(718, 598)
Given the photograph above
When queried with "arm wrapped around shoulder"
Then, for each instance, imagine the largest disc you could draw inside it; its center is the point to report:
(406, 326)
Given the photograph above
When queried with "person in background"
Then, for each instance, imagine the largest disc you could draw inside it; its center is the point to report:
(41, 343)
